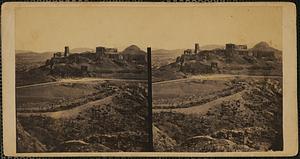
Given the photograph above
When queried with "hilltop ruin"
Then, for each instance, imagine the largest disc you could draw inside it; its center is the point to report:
(103, 60)
(214, 61)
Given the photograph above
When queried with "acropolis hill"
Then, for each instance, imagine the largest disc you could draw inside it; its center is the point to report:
(102, 63)
(262, 59)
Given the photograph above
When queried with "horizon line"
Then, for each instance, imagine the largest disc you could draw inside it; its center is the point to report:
(153, 48)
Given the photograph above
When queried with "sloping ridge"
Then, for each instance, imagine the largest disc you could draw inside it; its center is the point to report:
(263, 46)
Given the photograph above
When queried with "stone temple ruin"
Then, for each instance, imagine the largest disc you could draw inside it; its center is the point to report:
(112, 53)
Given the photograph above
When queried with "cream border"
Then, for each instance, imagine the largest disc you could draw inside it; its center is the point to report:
(289, 77)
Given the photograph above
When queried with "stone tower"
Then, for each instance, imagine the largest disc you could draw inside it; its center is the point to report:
(229, 50)
(66, 51)
(197, 48)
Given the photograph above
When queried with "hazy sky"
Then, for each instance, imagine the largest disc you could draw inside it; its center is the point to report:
(50, 29)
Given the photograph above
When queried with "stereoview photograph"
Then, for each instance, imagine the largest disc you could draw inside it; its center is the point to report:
(149, 79)
(78, 89)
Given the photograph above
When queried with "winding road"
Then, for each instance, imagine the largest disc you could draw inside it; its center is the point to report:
(214, 77)
(199, 77)
(203, 108)
(80, 80)
(72, 112)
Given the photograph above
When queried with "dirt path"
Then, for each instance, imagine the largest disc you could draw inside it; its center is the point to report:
(228, 76)
(214, 77)
(80, 80)
(73, 112)
(170, 81)
(202, 109)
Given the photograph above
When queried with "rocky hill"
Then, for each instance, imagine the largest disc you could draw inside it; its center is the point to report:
(162, 57)
(238, 64)
(85, 64)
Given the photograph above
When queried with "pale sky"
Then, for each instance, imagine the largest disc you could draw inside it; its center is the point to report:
(50, 29)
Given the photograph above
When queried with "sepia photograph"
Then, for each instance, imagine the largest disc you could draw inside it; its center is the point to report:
(218, 83)
(149, 79)
(78, 89)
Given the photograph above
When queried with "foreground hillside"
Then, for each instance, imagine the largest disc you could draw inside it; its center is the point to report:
(83, 117)
(218, 115)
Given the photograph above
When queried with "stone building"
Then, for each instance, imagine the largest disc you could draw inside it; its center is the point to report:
(108, 53)
(233, 49)
(111, 50)
(197, 48)
(229, 50)
(114, 55)
(57, 55)
(241, 47)
(67, 51)
(187, 52)
(100, 51)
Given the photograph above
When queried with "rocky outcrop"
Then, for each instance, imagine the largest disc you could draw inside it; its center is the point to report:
(161, 141)
(210, 144)
(26, 142)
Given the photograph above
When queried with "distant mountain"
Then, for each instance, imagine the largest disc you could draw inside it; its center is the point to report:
(33, 55)
(80, 50)
(264, 46)
(133, 49)
(26, 60)
(178, 52)
(28, 52)
(23, 51)
(175, 52)
(161, 57)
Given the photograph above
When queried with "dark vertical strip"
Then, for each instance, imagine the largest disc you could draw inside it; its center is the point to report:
(150, 138)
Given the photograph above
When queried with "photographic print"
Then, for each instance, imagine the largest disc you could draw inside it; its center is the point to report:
(79, 87)
(217, 85)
